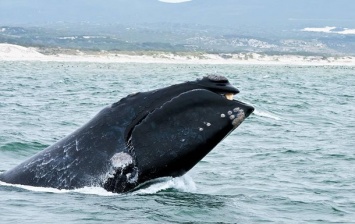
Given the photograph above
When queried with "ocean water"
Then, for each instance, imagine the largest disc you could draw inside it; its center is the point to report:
(291, 161)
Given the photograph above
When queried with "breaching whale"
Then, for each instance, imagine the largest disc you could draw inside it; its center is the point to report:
(146, 135)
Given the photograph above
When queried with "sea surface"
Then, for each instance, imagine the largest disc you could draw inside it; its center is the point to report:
(291, 161)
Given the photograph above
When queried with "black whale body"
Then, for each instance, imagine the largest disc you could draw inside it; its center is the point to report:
(146, 135)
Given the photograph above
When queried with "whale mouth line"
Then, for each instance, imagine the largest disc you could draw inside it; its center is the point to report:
(227, 95)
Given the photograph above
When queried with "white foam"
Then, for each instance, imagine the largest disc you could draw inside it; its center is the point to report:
(67, 38)
(266, 114)
(184, 183)
(92, 37)
(85, 190)
(94, 191)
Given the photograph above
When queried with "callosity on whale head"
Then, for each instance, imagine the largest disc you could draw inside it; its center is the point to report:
(144, 136)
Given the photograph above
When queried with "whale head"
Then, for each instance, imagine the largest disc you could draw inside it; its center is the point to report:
(180, 125)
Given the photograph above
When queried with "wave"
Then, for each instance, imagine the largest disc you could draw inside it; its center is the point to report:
(266, 114)
(184, 183)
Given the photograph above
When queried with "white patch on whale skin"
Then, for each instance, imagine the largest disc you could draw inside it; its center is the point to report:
(236, 109)
(207, 124)
(76, 145)
(223, 115)
(132, 179)
(239, 119)
(121, 160)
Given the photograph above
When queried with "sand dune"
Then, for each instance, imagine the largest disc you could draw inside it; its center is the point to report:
(10, 52)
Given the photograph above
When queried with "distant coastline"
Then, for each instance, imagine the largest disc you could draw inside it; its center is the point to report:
(10, 52)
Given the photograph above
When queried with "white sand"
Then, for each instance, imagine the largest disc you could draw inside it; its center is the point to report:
(9, 52)
(330, 29)
(327, 29)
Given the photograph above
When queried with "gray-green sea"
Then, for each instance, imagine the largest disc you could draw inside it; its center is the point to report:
(291, 161)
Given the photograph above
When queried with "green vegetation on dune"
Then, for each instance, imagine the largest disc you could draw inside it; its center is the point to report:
(173, 38)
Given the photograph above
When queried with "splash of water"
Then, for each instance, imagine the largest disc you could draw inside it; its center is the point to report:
(184, 183)
(266, 114)
(85, 190)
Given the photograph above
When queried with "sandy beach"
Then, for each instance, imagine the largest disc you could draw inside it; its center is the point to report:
(10, 52)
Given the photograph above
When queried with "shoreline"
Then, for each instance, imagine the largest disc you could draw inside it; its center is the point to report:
(10, 52)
